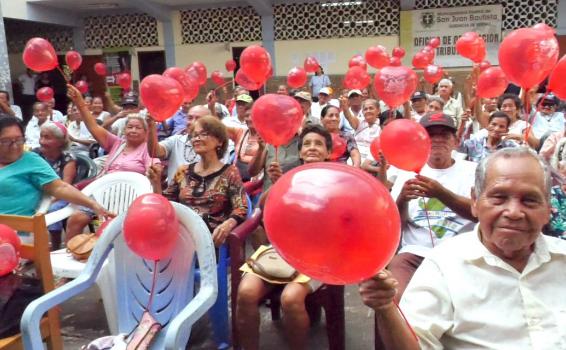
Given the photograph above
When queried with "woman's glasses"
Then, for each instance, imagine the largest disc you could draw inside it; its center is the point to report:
(200, 136)
(17, 141)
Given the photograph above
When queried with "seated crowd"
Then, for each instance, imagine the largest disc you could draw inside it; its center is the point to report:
(472, 269)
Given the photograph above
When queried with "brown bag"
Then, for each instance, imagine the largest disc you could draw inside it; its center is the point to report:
(144, 334)
(269, 264)
(82, 245)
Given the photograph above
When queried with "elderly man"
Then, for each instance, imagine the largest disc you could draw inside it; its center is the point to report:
(243, 102)
(547, 120)
(178, 122)
(452, 107)
(418, 105)
(323, 99)
(178, 149)
(499, 286)
(434, 205)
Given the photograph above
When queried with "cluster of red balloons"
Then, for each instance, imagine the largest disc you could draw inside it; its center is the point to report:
(310, 220)
(10, 245)
(395, 83)
(277, 118)
(472, 46)
(255, 67)
(424, 59)
(151, 228)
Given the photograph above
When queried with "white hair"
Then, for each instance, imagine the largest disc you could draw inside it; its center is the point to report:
(446, 81)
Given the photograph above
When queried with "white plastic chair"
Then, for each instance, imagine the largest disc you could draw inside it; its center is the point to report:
(173, 303)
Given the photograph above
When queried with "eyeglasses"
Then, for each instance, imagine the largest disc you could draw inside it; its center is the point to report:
(7, 143)
(200, 136)
(548, 105)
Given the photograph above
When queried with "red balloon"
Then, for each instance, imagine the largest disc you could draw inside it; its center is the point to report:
(492, 82)
(421, 60)
(161, 95)
(395, 61)
(255, 62)
(375, 149)
(395, 84)
(44, 94)
(338, 146)
(39, 55)
(398, 52)
(217, 77)
(9, 235)
(358, 61)
(277, 118)
(405, 144)
(151, 228)
(434, 42)
(8, 259)
(230, 65)
(311, 65)
(433, 73)
(296, 77)
(243, 80)
(377, 56)
(100, 69)
(528, 55)
(313, 203)
(357, 78)
(557, 78)
(471, 46)
(82, 86)
(484, 65)
(197, 70)
(102, 227)
(124, 80)
(429, 53)
(190, 86)
(73, 59)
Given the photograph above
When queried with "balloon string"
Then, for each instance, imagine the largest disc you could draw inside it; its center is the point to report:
(276, 153)
(222, 85)
(428, 222)
(152, 286)
(406, 321)
(63, 74)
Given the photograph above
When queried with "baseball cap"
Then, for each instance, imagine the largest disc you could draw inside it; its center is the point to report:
(325, 91)
(303, 95)
(129, 99)
(438, 119)
(549, 98)
(244, 98)
(354, 92)
(418, 95)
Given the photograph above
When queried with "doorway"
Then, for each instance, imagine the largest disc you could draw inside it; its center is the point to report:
(151, 62)
(236, 53)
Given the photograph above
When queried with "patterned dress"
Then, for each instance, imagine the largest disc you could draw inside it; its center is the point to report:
(557, 225)
(215, 197)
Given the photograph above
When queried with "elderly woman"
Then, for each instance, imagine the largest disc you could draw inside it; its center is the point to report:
(28, 176)
(53, 145)
(211, 188)
(315, 145)
(330, 119)
(97, 109)
(247, 145)
(127, 154)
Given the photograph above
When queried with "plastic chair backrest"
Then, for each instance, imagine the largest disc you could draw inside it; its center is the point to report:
(116, 191)
(174, 281)
(86, 168)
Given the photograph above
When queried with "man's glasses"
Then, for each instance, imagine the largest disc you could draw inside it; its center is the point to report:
(17, 141)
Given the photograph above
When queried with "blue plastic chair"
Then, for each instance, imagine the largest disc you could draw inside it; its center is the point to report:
(219, 314)
(173, 303)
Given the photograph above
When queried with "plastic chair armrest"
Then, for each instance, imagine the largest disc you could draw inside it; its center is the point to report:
(241, 231)
(60, 214)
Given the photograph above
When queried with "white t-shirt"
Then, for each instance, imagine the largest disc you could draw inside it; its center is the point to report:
(58, 117)
(79, 132)
(364, 136)
(32, 133)
(416, 239)
(28, 84)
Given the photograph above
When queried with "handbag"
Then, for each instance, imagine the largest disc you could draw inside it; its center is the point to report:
(145, 332)
(269, 265)
(81, 245)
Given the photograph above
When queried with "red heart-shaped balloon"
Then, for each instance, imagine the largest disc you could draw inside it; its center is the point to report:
(358, 61)
(197, 70)
(492, 82)
(377, 56)
(73, 59)
(433, 73)
(256, 63)
(471, 46)
(311, 65)
(277, 118)
(124, 80)
(395, 84)
(243, 80)
(161, 95)
(189, 84)
(357, 78)
(39, 55)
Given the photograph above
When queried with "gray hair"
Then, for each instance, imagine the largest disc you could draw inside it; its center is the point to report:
(511, 152)
(57, 132)
(436, 99)
(137, 116)
(446, 82)
(372, 101)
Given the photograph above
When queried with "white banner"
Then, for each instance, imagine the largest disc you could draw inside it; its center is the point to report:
(418, 26)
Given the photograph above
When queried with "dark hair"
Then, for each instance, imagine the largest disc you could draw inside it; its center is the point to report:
(324, 111)
(317, 129)
(6, 122)
(5, 92)
(216, 128)
(509, 96)
(383, 116)
(499, 114)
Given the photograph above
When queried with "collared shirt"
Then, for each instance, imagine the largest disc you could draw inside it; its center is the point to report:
(365, 134)
(32, 133)
(477, 149)
(454, 109)
(235, 123)
(178, 122)
(543, 124)
(464, 297)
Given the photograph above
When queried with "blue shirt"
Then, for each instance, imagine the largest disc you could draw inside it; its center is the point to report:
(476, 149)
(318, 82)
(543, 124)
(178, 122)
(21, 184)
